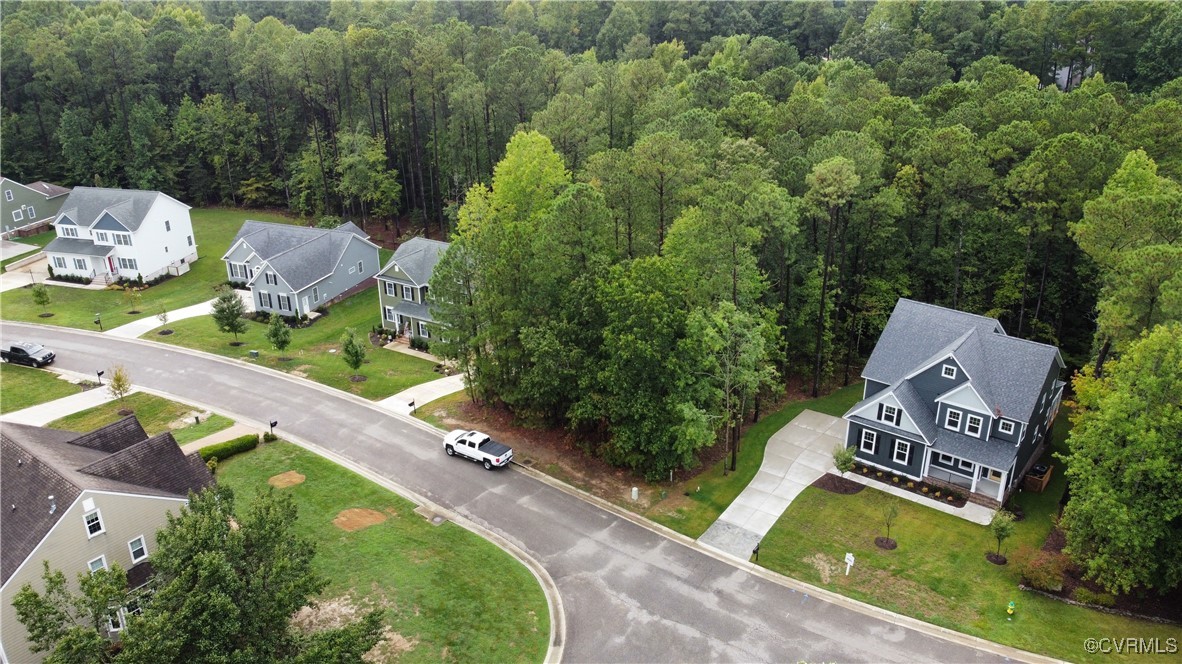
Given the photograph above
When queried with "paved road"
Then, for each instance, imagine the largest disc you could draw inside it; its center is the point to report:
(630, 594)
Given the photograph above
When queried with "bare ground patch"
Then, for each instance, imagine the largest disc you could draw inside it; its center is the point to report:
(339, 611)
(187, 419)
(300, 371)
(823, 564)
(284, 480)
(356, 518)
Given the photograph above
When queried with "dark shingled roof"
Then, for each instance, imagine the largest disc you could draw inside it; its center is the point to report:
(70, 245)
(128, 206)
(37, 462)
(994, 453)
(414, 310)
(48, 188)
(300, 255)
(417, 258)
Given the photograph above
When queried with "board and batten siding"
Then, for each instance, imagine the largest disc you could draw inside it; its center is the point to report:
(68, 548)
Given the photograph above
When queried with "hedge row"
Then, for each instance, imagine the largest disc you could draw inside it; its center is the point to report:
(223, 451)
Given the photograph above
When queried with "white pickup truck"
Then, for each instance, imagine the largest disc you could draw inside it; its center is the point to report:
(478, 447)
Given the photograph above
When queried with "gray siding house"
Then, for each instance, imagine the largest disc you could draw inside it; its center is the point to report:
(27, 204)
(83, 502)
(951, 399)
(292, 270)
(404, 285)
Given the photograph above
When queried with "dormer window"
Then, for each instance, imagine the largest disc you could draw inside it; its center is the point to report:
(1006, 426)
(949, 371)
(889, 414)
(973, 425)
(952, 420)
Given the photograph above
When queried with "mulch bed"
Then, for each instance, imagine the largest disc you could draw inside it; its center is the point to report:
(237, 343)
(124, 412)
(358, 379)
(836, 484)
(45, 315)
(1140, 603)
(164, 333)
(958, 499)
(995, 558)
(886, 543)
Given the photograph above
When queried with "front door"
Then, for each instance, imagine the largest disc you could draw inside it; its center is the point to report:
(111, 264)
(306, 304)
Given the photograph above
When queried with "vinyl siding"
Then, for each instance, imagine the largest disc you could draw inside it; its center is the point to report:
(340, 280)
(931, 383)
(884, 452)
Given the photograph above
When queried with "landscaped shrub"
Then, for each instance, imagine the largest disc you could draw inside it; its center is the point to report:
(1099, 599)
(419, 343)
(1043, 569)
(71, 278)
(269, 437)
(223, 451)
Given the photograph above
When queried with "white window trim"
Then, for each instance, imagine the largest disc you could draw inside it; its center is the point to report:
(949, 371)
(871, 437)
(31, 213)
(359, 266)
(111, 625)
(389, 311)
(100, 559)
(18, 215)
(1006, 427)
(59, 262)
(968, 426)
(965, 464)
(8, 195)
(315, 294)
(946, 458)
(423, 331)
(904, 447)
(102, 527)
(948, 419)
(80, 264)
(408, 293)
(281, 298)
(390, 288)
(890, 413)
(101, 236)
(143, 545)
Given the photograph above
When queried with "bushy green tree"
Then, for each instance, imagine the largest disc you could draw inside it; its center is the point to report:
(278, 333)
(228, 312)
(352, 349)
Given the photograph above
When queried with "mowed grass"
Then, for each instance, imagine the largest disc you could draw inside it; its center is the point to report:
(703, 507)
(939, 573)
(213, 229)
(451, 594)
(154, 413)
(21, 387)
(387, 372)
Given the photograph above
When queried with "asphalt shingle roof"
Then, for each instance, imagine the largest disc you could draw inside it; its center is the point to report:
(299, 254)
(993, 453)
(38, 462)
(72, 245)
(417, 258)
(414, 310)
(48, 188)
(128, 206)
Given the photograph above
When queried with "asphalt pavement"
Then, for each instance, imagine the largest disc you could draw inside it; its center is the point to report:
(630, 592)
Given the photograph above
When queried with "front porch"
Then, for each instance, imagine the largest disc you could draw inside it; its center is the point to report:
(982, 484)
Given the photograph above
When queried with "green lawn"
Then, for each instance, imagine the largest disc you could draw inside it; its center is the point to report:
(451, 594)
(939, 573)
(213, 229)
(387, 373)
(694, 515)
(40, 240)
(154, 413)
(24, 386)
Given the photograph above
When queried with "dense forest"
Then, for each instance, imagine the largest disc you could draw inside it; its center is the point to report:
(660, 210)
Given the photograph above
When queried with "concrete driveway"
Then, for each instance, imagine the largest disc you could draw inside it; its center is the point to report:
(795, 457)
(25, 275)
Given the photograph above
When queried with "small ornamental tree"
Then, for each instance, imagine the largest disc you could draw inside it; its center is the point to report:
(843, 458)
(162, 316)
(890, 513)
(41, 296)
(120, 385)
(352, 351)
(1002, 526)
(132, 298)
(228, 311)
(278, 333)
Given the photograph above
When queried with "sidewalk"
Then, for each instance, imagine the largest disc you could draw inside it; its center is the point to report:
(795, 457)
(219, 437)
(138, 328)
(401, 346)
(43, 414)
(422, 394)
(978, 514)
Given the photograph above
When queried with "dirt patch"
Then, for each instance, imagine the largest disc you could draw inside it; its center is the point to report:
(836, 484)
(886, 543)
(824, 565)
(124, 412)
(340, 611)
(164, 333)
(45, 315)
(995, 558)
(358, 379)
(237, 343)
(189, 419)
(356, 518)
(301, 371)
(284, 480)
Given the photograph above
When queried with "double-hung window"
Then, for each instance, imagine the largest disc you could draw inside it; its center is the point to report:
(952, 420)
(69, 231)
(389, 313)
(284, 303)
(869, 441)
(389, 286)
(138, 548)
(101, 236)
(190, 240)
(315, 294)
(80, 264)
(97, 564)
(94, 523)
(902, 451)
(973, 425)
(59, 262)
(423, 331)
(890, 414)
(408, 293)
(265, 300)
(127, 264)
(1006, 426)
(8, 195)
(271, 278)
(360, 264)
(122, 239)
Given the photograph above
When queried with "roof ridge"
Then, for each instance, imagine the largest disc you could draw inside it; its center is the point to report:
(956, 311)
(48, 466)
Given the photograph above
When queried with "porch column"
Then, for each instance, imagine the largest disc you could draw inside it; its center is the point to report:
(976, 474)
(927, 459)
(1001, 486)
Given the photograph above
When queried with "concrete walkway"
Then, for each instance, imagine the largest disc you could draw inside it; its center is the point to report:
(44, 413)
(219, 437)
(422, 394)
(401, 346)
(795, 457)
(138, 328)
(978, 514)
(10, 249)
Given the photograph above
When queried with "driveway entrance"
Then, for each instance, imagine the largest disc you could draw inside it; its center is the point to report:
(795, 457)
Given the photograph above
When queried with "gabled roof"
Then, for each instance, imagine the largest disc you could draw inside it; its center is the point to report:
(36, 462)
(1007, 372)
(48, 188)
(73, 245)
(299, 254)
(994, 453)
(913, 405)
(129, 206)
(108, 222)
(417, 258)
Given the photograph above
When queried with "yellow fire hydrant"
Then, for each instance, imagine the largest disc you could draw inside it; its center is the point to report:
(1010, 609)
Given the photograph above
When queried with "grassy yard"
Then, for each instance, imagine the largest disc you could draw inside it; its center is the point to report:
(693, 516)
(213, 229)
(423, 574)
(154, 413)
(939, 573)
(26, 386)
(40, 240)
(387, 372)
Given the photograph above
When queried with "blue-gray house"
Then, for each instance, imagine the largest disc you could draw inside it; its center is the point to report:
(951, 399)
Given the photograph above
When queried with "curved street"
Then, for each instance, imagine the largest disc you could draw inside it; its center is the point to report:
(629, 592)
